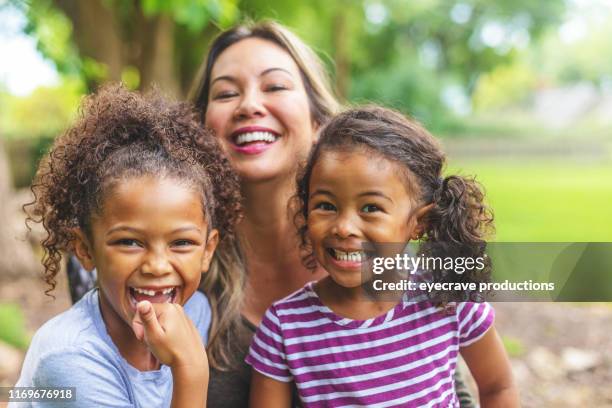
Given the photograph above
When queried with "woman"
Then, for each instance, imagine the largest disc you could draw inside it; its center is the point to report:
(265, 94)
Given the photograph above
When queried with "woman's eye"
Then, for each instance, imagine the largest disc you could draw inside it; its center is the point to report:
(325, 207)
(225, 95)
(276, 87)
(370, 208)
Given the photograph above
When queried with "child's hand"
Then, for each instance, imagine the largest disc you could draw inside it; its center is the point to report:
(170, 335)
(174, 340)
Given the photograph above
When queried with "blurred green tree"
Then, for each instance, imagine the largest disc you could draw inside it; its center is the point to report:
(139, 42)
(381, 50)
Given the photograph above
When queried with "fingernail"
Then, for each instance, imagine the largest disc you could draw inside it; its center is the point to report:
(144, 306)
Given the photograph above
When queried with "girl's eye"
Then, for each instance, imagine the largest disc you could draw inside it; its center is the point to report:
(183, 242)
(370, 208)
(325, 206)
(128, 242)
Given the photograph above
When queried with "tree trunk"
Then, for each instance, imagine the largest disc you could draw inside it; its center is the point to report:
(96, 33)
(117, 41)
(156, 62)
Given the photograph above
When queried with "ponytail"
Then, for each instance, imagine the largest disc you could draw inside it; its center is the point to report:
(457, 227)
(459, 214)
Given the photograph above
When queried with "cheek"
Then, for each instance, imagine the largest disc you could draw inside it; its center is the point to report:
(316, 230)
(296, 115)
(216, 119)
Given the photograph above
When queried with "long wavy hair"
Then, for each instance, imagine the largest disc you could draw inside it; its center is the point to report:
(226, 294)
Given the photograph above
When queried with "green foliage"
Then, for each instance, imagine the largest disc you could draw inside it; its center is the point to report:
(505, 86)
(418, 46)
(53, 31)
(12, 326)
(194, 14)
(44, 113)
(589, 56)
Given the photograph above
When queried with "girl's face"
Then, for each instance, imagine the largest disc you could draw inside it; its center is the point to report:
(259, 108)
(149, 243)
(356, 198)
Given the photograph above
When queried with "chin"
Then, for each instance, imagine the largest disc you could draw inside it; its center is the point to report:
(262, 172)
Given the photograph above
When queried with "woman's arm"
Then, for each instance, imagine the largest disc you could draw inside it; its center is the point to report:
(491, 369)
(267, 392)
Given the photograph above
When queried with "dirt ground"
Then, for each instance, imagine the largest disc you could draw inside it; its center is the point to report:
(560, 351)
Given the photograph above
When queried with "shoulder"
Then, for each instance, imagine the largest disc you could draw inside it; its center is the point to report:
(473, 321)
(74, 327)
(198, 309)
(70, 341)
(96, 380)
(298, 300)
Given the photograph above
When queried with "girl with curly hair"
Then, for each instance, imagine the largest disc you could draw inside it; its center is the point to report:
(375, 177)
(140, 191)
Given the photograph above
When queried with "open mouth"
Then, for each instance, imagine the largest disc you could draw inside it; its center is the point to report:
(164, 295)
(251, 138)
(349, 256)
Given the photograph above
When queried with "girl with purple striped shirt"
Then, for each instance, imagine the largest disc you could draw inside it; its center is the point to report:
(375, 177)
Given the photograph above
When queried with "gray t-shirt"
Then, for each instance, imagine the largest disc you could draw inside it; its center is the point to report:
(74, 350)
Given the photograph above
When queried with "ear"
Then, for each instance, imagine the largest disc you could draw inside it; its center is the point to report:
(316, 127)
(420, 219)
(83, 249)
(209, 249)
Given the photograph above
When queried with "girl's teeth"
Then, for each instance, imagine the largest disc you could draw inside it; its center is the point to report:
(357, 256)
(255, 136)
(152, 292)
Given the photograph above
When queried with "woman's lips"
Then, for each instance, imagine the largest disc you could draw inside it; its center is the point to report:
(253, 140)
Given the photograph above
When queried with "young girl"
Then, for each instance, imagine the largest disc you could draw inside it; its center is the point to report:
(139, 191)
(375, 177)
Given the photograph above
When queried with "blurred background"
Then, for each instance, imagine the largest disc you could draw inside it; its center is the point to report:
(519, 92)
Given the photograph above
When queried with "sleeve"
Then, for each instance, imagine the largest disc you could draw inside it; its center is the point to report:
(97, 383)
(267, 352)
(474, 319)
(199, 311)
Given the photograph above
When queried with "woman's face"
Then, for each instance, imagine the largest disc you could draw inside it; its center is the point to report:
(259, 109)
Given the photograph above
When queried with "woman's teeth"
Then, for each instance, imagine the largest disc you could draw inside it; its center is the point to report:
(356, 256)
(255, 137)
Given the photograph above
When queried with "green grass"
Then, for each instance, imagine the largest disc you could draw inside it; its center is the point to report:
(12, 326)
(550, 201)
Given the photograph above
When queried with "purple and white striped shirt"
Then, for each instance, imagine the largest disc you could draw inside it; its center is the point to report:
(406, 357)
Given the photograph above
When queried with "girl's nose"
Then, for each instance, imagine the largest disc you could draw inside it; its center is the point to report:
(344, 227)
(250, 105)
(156, 264)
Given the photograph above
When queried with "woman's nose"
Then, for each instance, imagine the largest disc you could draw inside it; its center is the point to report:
(250, 105)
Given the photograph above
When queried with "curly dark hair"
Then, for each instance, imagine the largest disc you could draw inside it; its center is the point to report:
(121, 134)
(458, 222)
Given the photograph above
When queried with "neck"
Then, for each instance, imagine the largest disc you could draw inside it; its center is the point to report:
(131, 349)
(271, 246)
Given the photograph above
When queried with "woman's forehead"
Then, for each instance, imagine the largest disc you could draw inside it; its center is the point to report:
(253, 56)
